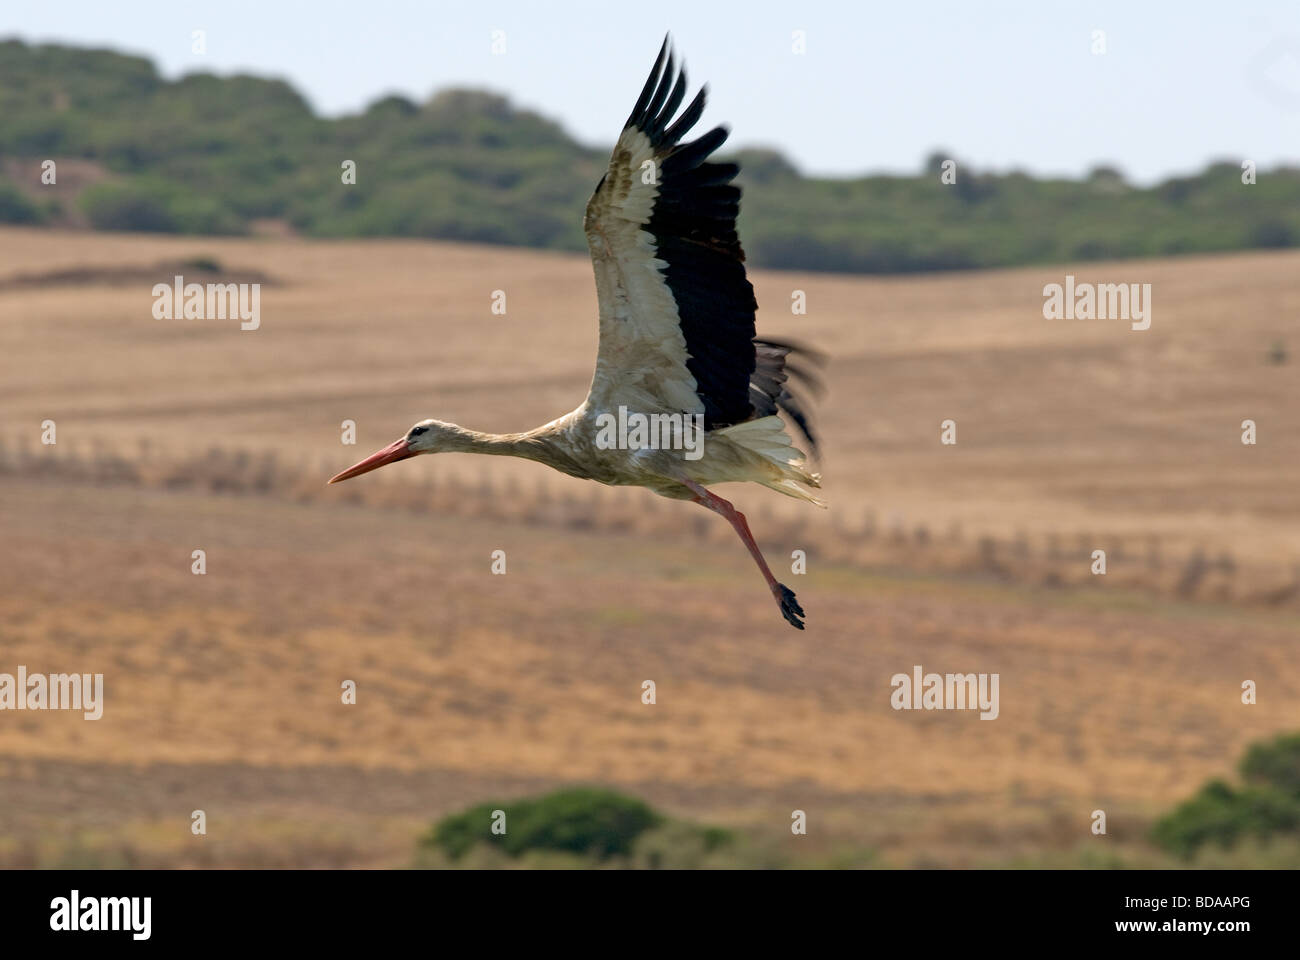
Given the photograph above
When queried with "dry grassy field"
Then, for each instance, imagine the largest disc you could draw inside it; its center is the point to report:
(1118, 692)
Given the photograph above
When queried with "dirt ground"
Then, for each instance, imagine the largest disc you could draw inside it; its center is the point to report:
(223, 690)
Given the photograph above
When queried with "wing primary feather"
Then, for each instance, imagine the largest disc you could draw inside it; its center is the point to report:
(694, 153)
(661, 94)
(656, 130)
(688, 119)
(652, 82)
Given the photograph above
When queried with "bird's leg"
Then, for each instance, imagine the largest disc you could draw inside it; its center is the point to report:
(790, 608)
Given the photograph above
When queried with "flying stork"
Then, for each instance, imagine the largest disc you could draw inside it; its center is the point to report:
(676, 334)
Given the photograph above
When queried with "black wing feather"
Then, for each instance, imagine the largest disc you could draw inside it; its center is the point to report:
(693, 224)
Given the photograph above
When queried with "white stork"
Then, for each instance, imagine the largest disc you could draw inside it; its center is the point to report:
(676, 334)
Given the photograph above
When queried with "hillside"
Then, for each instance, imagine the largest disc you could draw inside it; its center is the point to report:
(232, 155)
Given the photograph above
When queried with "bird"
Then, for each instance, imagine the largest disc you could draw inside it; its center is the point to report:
(678, 354)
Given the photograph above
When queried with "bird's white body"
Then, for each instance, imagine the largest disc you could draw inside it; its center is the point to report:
(756, 451)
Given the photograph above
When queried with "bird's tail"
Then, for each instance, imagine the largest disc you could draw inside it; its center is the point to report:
(767, 437)
(791, 488)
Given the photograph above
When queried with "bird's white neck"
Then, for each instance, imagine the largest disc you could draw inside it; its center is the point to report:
(542, 445)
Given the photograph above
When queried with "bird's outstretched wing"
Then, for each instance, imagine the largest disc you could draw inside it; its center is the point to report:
(676, 311)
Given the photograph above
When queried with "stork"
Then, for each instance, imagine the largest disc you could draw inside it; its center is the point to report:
(677, 337)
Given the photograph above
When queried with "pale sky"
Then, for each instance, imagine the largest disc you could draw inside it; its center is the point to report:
(1000, 84)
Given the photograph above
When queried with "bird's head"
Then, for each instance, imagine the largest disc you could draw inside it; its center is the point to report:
(427, 436)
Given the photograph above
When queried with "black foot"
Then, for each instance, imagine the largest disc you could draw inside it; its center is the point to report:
(790, 608)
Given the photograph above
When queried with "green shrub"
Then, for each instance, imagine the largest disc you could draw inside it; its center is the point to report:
(1274, 764)
(585, 821)
(1221, 815)
(1267, 806)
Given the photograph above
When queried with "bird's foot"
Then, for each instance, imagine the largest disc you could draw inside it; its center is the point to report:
(790, 608)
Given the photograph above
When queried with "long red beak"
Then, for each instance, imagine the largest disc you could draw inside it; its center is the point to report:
(390, 454)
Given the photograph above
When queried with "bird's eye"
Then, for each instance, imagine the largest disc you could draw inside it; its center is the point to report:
(416, 431)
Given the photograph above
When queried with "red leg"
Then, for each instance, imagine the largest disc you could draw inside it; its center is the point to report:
(790, 608)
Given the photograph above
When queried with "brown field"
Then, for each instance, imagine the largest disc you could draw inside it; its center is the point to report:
(1119, 692)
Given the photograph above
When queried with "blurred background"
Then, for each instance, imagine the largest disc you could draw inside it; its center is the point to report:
(1118, 146)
